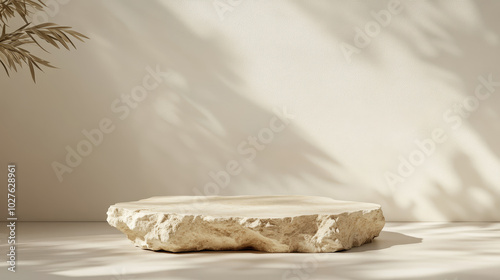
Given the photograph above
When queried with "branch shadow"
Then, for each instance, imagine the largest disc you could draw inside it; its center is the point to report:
(454, 43)
(200, 120)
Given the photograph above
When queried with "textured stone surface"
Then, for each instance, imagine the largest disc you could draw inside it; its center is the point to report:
(264, 223)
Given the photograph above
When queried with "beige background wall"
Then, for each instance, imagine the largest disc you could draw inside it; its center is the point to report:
(231, 65)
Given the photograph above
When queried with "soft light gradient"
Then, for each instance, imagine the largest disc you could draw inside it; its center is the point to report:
(352, 120)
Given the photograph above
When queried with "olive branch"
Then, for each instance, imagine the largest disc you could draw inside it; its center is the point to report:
(13, 55)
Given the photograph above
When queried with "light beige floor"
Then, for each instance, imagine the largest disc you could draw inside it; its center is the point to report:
(444, 251)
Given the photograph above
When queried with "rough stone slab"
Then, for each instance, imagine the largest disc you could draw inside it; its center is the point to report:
(264, 223)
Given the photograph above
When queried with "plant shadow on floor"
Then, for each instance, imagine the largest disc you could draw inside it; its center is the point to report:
(98, 251)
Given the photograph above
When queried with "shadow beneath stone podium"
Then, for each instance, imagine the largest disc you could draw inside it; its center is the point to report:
(386, 239)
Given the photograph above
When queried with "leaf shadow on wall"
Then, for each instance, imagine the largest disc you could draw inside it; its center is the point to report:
(455, 43)
(198, 121)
